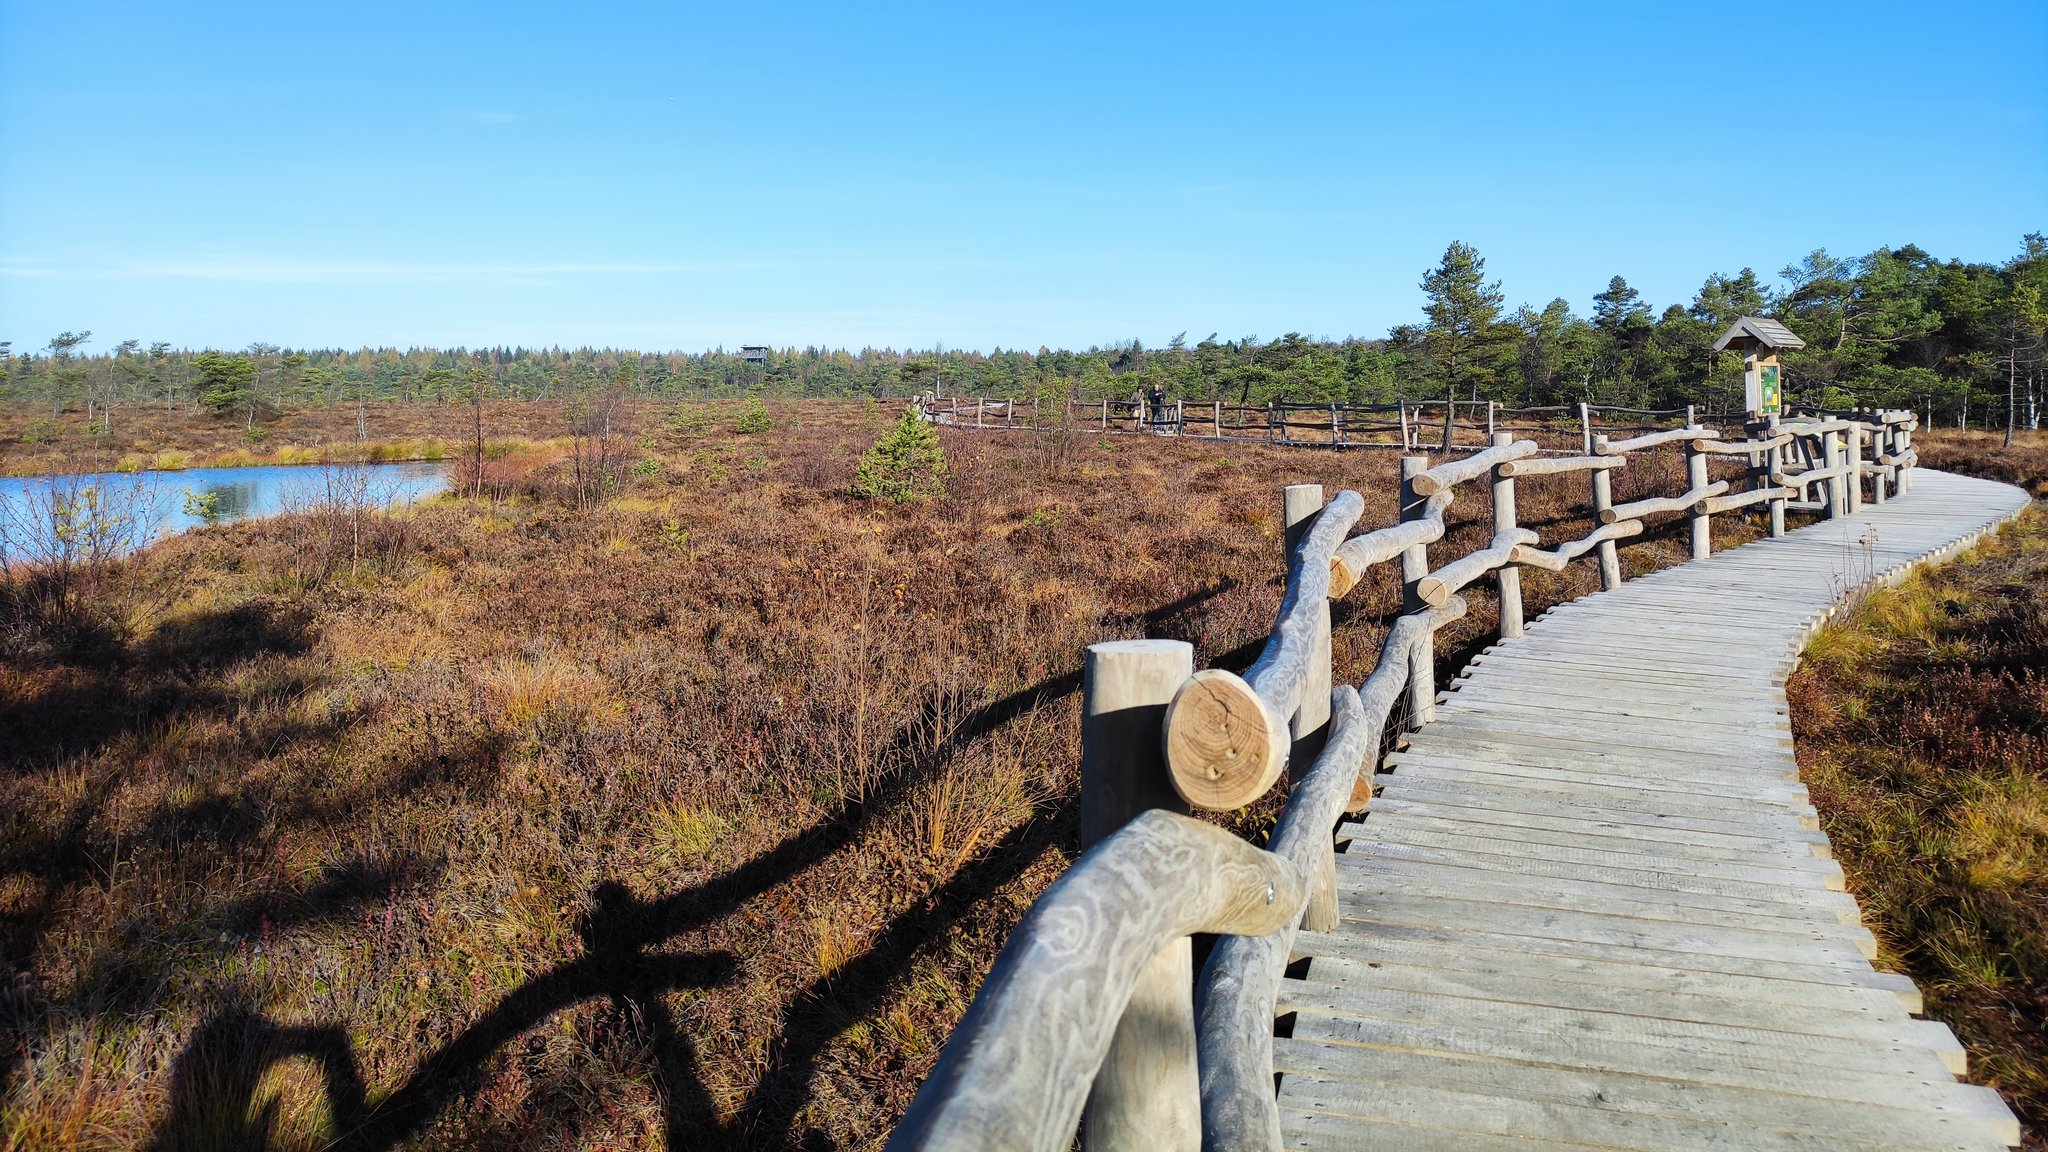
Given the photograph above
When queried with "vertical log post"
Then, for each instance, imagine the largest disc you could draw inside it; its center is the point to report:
(1450, 421)
(1881, 447)
(1830, 456)
(1773, 458)
(1414, 566)
(1271, 428)
(1147, 1094)
(1218, 419)
(1603, 499)
(1490, 406)
(1105, 415)
(1508, 577)
(1407, 440)
(1902, 441)
(1854, 488)
(1310, 726)
(1585, 429)
(1696, 479)
(1009, 411)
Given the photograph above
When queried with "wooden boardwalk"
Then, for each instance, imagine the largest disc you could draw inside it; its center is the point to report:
(1590, 906)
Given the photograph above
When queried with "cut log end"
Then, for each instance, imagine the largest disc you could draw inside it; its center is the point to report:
(1224, 745)
(1432, 591)
(1343, 578)
(1427, 485)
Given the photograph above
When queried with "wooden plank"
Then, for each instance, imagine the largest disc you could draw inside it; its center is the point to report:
(1888, 1024)
(1601, 829)
(1350, 1080)
(1611, 792)
(1563, 940)
(1783, 1071)
(1435, 910)
(1925, 1122)
(1777, 773)
(1609, 805)
(1785, 886)
(1364, 875)
(1688, 1047)
(1477, 953)
(1521, 843)
(1302, 1129)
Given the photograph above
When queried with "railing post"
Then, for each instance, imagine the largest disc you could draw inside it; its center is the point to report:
(1830, 456)
(1147, 1093)
(1902, 445)
(1508, 577)
(1585, 429)
(1219, 419)
(1773, 458)
(1696, 479)
(1009, 411)
(1450, 421)
(1855, 477)
(1414, 566)
(980, 406)
(1880, 447)
(1603, 499)
(1407, 439)
(1105, 415)
(1310, 725)
(1490, 406)
(1336, 430)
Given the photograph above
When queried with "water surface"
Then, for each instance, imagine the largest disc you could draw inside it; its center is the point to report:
(41, 515)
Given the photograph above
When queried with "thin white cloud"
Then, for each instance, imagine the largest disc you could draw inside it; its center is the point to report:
(258, 270)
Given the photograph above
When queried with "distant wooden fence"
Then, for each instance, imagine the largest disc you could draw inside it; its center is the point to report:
(1093, 1004)
(1441, 426)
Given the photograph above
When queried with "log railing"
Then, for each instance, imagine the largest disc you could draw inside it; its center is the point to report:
(1441, 426)
(1092, 1008)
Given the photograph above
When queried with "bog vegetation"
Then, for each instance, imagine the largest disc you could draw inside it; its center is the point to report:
(1922, 722)
(679, 800)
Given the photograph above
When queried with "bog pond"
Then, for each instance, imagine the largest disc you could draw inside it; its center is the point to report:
(47, 516)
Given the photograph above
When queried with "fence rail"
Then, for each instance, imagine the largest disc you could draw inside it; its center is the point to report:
(1092, 1004)
(1441, 426)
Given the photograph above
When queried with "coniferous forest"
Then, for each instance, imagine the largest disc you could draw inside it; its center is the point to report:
(1961, 342)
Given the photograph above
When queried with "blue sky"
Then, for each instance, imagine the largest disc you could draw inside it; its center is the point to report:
(687, 176)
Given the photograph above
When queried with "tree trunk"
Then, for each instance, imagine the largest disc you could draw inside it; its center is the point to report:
(2012, 391)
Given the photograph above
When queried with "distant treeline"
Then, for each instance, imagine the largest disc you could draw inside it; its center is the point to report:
(1897, 327)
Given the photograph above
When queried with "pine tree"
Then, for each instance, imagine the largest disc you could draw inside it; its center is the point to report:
(1464, 340)
(907, 464)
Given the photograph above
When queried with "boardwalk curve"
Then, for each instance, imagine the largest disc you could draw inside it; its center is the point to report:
(1590, 906)
(1580, 901)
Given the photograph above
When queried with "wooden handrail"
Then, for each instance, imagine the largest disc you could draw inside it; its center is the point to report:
(1227, 736)
(1016, 1071)
(1240, 983)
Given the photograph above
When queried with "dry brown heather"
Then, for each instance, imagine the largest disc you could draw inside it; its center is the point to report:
(1922, 722)
(32, 442)
(692, 818)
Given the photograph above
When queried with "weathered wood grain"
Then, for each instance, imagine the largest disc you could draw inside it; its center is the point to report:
(1018, 1066)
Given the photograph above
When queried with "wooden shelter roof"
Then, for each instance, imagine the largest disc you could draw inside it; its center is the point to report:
(1761, 329)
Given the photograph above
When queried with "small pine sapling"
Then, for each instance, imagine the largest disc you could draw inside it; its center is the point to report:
(907, 464)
